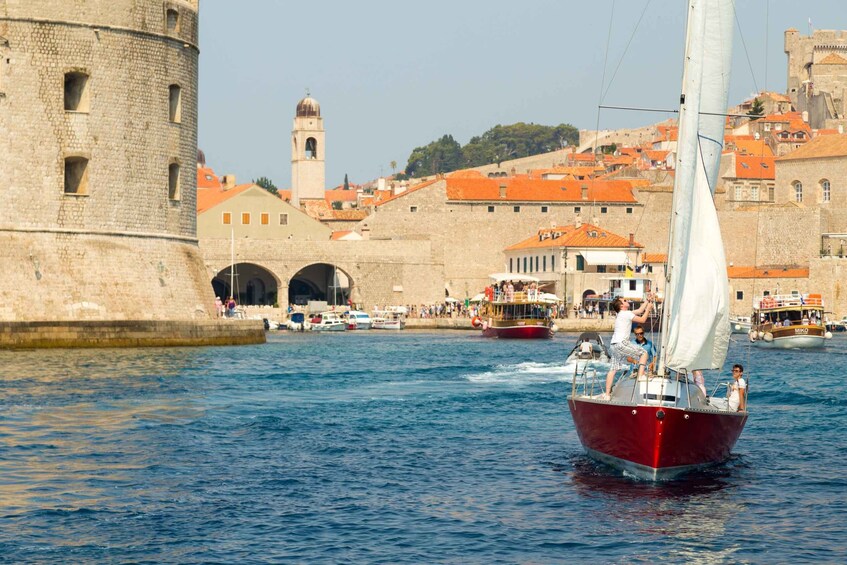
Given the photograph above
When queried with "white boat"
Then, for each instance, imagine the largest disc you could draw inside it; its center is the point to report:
(589, 347)
(358, 320)
(392, 318)
(328, 322)
(740, 324)
(659, 426)
(298, 322)
(789, 321)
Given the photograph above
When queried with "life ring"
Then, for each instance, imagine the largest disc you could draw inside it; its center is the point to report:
(476, 321)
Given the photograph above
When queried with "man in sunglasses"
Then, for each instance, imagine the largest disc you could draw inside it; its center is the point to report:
(647, 345)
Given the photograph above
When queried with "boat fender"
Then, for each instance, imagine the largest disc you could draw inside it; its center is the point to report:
(476, 321)
(761, 335)
(752, 334)
(828, 335)
(660, 414)
(768, 336)
(554, 328)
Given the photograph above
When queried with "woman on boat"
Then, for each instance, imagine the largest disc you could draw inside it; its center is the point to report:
(621, 346)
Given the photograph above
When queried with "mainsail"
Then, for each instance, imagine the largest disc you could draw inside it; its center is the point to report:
(695, 331)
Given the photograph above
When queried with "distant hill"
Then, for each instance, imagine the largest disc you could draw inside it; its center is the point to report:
(500, 143)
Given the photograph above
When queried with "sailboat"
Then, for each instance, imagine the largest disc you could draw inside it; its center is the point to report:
(660, 426)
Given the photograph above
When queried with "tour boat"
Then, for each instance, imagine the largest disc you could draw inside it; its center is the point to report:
(595, 351)
(514, 314)
(392, 318)
(791, 321)
(661, 425)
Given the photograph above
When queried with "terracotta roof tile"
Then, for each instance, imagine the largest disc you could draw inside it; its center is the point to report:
(777, 272)
(210, 198)
(754, 167)
(751, 146)
(586, 236)
(206, 178)
(654, 258)
(524, 189)
(820, 147)
(415, 188)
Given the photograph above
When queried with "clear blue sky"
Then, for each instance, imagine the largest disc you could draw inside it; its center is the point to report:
(391, 76)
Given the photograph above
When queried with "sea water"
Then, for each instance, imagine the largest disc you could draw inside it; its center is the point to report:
(394, 447)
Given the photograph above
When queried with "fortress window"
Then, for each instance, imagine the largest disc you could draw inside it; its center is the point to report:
(227, 218)
(604, 210)
(172, 20)
(826, 193)
(629, 210)
(413, 208)
(739, 295)
(798, 191)
(173, 181)
(510, 265)
(491, 209)
(76, 175)
(311, 148)
(76, 92)
(577, 209)
(738, 193)
(544, 209)
(517, 208)
(245, 218)
(266, 218)
(175, 104)
(283, 219)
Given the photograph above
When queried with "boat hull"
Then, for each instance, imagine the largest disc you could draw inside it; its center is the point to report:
(793, 337)
(634, 438)
(529, 331)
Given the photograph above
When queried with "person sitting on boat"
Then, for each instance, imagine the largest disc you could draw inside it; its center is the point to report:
(786, 322)
(586, 350)
(738, 395)
(645, 344)
(621, 346)
(805, 320)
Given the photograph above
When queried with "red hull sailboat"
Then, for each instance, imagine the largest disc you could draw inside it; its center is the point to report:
(658, 426)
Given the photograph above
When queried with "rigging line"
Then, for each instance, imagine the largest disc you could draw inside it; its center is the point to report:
(671, 111)
(767, 25)
(631, 37)
(602, 84)
(746, 53)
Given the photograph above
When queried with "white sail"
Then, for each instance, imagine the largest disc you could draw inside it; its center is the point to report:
(696, 310)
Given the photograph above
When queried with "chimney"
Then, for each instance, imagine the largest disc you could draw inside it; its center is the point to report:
(632, 240)
(840, 128)
(503, 190)
(228, 181)
(585, 192)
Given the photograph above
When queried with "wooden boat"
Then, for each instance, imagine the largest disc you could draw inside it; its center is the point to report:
(514, 314)
(791, 321)
(659, 426)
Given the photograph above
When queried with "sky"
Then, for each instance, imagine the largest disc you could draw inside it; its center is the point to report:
(391, 76)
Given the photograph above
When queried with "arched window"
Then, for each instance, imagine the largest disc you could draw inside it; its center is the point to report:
(826, 194)
(76, 92)
(798, 191)
(311, 148)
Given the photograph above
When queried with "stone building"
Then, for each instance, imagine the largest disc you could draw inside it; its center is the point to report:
(98, 139)
(308, 153)
(817, 75)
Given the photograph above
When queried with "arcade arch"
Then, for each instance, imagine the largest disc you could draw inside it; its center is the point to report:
(254, 285)
(320, 281)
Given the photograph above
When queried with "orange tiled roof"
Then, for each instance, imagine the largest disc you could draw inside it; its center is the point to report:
(466, 174)
(751, 147)
(340, 195)
(210, 198)
(206, 178)
(654, 258)
(833, 59)
(656, 155)
(820, 147)
(668, 133)
(586, 236)
(785, 118)
(337, 235)
(754, 167)
(768, 272)
(825, 131)
(577, 171)
(525, 189)
(415, 188)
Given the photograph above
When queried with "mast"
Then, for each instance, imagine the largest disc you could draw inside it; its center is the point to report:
(232, 263)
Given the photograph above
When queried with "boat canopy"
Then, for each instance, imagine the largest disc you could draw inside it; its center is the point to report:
(500, 277)
(604, 257)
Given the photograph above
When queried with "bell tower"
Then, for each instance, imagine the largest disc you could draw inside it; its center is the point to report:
(307, 152)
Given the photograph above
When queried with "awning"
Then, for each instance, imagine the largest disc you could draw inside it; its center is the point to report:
(604, 257)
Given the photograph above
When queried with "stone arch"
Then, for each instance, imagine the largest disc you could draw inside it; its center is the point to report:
(254, 285)
(321, 281)
(311, 148)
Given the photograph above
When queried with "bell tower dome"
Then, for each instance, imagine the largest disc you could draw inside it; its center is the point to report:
(307, 152)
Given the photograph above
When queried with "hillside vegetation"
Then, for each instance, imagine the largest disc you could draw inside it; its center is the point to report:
(498, 144)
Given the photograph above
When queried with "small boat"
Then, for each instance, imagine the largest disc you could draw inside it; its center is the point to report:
(658, 426)
(392, 318)
(515, 314)
(358, 320)
(789, 321)
(298, 322)
(839, 326)
(740, 324)
(328, 322)
(589, 347)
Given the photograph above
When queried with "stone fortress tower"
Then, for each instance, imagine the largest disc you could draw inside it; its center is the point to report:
(308, 153)
(817, 74)
(98, 141)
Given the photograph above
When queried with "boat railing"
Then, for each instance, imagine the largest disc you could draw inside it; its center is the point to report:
(531, 295)
(585, 382)
(788, 300)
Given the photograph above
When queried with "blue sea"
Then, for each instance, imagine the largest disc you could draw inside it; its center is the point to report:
(382, 447)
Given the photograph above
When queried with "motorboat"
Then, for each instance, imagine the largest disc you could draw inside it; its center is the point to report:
(589, 347)
(328, 322)
(392, 318)
(358, 320)
(515, 314)
(297, 322)
(789, 321)
(740, 324)
(658, 426)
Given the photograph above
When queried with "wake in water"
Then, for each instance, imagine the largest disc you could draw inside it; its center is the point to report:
(533, 373)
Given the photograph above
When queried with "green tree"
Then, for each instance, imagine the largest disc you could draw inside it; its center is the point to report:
(346, 182)
(393, 167)
(267, 184)
(757, 110)
(440, 156)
